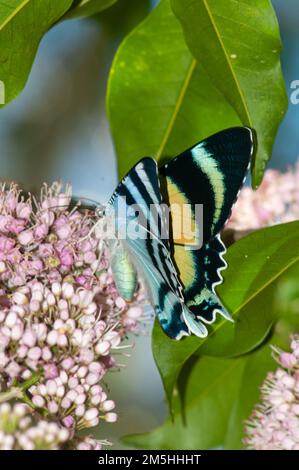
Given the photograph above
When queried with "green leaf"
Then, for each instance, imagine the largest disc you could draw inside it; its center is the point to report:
(238, 44)
(161, 94)
(124, 16)
(22, 25)
(210, 392)
(88, 8)
(255, 371)
(255, 263)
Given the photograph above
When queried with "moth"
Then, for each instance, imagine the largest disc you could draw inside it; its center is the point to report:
(180, 270)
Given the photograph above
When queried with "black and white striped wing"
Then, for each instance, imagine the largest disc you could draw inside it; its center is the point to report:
(141, 227)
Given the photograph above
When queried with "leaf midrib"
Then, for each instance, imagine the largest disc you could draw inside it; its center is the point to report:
(214, 26)
(176, 108)
(15, 12)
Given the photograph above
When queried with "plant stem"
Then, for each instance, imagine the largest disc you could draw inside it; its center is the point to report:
(19, 391)
(14, 392)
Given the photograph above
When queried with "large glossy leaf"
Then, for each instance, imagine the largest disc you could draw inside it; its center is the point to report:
(238, 44)
(22, 25)
(218, 395)
(159, 101)
(88, 8)
(255, 264)
(261, 362)
(255, 370)
(123, 17)
(210, 392)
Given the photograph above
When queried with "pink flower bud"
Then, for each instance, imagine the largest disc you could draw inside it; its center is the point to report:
(34, 306)
(19, 298)
(80, 410)
(63, 232)
(62, 341)
(75, 300)
(102, 348)
(92, 308)
(86, 298)
(34, 353)
(287, 360)
(25, 237)
(84, 446)
(29, 338)
(22, 351)
(11, 319)
(63, 377)
(53, 407)
(96, 400)
(67, 290)
(120, 303)
(68, 421)
(40, 330)
(89, 257)
(108, 405)
(77, 336)
(42, 390)
(62, 304)
(17, 332)
(2, 267)
(52, 338)
(93, 422)
(82, 371)
(46, 354)
(67, 363)
(64, 315)
(111, 417)
(51, 300)
(71, 395)
(73, 382)
(3, 359)
(295, 409)
(51, 387)
(56, 289)
(13, 369)
(96, 389)
(80, 399)
(65, 403)
(51, 371)
(41, 231)
(60, 391)
(113, 337)
(91, 414)
(37, 295)
(66, 258)
(86, 355)
(23, 210)
(38, 401)
(92, 379)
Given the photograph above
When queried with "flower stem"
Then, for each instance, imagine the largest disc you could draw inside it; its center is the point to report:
(18, 391)
(14, 392)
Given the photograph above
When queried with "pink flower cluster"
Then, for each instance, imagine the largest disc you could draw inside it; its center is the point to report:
(61, 317)
(21, 429)
(275, 201)
(274, 424)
